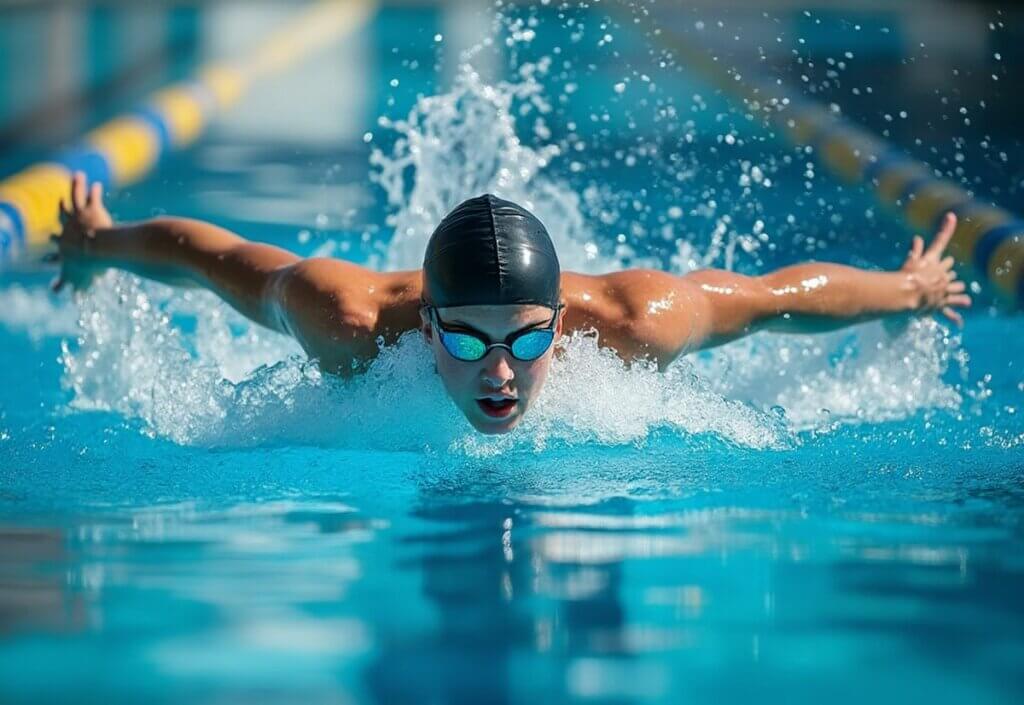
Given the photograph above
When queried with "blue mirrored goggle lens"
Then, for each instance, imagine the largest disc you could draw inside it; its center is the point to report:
(532, 345)
(464, 347)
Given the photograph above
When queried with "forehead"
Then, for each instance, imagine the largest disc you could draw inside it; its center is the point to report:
(497, 320)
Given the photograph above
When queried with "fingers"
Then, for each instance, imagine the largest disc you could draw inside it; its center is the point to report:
(917, 248)
(948, 262)
(953, 316)
(956, 287)
(64, 213)
(95, 196)
(78, 191)
(955, 299)
(942, 237)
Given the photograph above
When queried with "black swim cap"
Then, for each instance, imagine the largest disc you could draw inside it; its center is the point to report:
(490, 252)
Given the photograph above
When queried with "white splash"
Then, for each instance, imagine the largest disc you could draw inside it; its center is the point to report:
(132, 358)
(863, 374)
(464, 143)
(226, 382)
(36, 313)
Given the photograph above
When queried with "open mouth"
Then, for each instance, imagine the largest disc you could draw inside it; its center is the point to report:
(497, 408)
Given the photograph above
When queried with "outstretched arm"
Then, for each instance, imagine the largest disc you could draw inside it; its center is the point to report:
(332, 308)
(817, 297)
(174, 251)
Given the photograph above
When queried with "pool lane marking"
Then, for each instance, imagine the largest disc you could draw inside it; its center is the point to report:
(855, 155)
(126, 148)
(54, 113)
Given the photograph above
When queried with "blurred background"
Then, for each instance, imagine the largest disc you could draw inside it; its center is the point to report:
(935, 76)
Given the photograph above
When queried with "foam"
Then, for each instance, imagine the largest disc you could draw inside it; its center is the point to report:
(464, 143)
(214, 387)
(132, 359)
(864, 374)
(225, 382)
(36, 313)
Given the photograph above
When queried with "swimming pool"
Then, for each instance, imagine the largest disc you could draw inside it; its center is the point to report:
(188, 512)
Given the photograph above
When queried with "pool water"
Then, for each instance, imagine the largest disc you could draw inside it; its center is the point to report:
(191, 512)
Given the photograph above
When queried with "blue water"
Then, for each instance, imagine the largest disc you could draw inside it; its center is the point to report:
(188, 513)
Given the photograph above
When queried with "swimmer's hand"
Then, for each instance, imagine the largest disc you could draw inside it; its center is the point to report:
(79, 222)
(934, 281)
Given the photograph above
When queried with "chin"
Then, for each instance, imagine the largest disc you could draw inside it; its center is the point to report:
(495, 429)
(491, 427)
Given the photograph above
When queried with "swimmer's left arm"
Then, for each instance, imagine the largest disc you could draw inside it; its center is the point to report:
(819, 297)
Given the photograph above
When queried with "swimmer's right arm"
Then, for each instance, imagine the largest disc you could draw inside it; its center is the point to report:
(175, 251)
(313, 300)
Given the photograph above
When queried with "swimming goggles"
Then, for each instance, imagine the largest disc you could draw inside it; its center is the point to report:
(526, 345)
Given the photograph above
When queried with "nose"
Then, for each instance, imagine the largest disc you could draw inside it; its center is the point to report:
(497, 371)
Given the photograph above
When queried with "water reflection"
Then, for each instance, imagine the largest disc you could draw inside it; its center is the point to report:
(36, 598)
(183, 598)
(491, 584)
(625, 598)
(509, 619)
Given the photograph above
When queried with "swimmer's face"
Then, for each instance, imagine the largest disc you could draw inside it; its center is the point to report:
(495, 392)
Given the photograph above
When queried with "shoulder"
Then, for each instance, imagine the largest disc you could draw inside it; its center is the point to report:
(338, 310)
(327, 286)
(639, 312)
(630, 293)
(329, 306)
(324, 274)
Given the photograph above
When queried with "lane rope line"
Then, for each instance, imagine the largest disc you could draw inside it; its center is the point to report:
(128, 147)
(988, 238)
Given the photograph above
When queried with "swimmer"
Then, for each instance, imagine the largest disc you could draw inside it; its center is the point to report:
(491, 299)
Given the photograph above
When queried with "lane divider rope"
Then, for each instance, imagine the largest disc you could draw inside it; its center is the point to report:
(988, 238)
(128, 147)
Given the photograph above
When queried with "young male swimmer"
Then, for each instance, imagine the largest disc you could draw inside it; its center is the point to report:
(490, 299)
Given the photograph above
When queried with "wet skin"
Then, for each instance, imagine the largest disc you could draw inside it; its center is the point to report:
(338, 310)
(495, 392)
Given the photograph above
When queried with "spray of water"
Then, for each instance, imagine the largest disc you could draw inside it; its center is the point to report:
(464, 143)
(226, 382)
(133, 358)
(24, 310)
